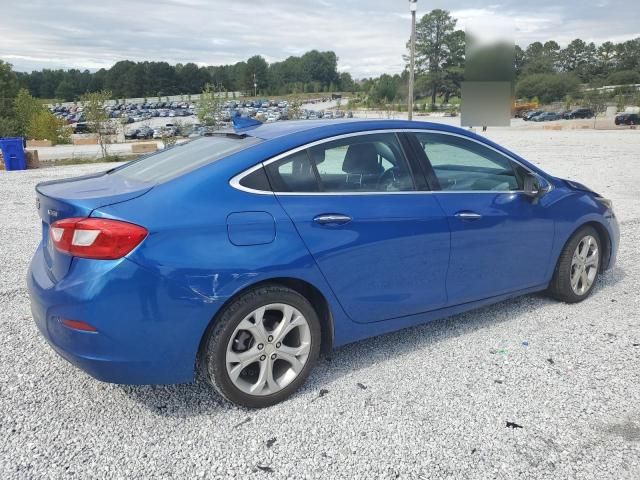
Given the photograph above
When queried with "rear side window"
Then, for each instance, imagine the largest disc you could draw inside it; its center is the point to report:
(178, 160)
(256, 180)
(294, 173)
(362, 163)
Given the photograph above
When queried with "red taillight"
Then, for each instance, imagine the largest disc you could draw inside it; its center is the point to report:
(98, 238)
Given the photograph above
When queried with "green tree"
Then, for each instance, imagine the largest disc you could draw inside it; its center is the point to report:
(65, 90)
(209, 107)
(8, 89)
(547, 87)
(44, 126)
(437, 43)
(257, 68)
(94, 104)
(579, 58)
(25, 107)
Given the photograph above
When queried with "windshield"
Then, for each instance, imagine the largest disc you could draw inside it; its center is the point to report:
(178, 160)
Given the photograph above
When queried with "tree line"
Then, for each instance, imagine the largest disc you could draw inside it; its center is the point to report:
(312, 72)
(542, 70)
(545, 71)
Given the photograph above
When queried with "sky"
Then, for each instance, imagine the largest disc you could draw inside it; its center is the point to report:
(369, 36)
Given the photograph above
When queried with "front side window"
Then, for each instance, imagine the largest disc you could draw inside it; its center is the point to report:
(464, 165)
(363, 163)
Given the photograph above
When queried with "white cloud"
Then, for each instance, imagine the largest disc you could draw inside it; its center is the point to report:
(368, 37)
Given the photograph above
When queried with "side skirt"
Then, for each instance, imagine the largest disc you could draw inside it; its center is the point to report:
(349, 332)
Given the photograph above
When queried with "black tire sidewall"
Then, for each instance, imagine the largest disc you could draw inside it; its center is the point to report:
(216, 346)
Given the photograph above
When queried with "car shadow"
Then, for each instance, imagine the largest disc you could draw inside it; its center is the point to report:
(198, 398)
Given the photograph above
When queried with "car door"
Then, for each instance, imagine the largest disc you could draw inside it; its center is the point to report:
(501, 239)
(382, 245)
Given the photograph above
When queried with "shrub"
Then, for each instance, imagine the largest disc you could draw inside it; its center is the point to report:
(44, 126)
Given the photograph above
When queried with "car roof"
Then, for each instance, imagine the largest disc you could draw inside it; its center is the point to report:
(268, 131)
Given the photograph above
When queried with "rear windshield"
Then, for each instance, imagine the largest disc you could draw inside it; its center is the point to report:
(175, 161)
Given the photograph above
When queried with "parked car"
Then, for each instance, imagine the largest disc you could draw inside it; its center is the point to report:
(627, 119)
(81, 127)
(131, 134)
(325, 243)
(530, 115)
(581, 113)
(144, 133)
(546, 117)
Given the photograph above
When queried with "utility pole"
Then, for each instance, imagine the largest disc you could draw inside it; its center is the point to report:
(255, 86)
(413, 6)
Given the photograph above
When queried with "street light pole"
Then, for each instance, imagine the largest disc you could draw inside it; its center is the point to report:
(413, 6)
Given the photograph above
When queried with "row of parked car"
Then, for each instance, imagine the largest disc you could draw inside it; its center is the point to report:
(624, 118)
(128, 112)
(544, 116)
(146, 132)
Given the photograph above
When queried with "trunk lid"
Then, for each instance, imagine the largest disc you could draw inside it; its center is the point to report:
(78, 197)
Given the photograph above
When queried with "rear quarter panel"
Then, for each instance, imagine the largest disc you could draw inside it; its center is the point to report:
(189, 244)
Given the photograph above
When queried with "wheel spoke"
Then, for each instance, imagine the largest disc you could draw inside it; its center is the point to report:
(575, 277)
(592, 260)
(296, 364)
(295, 351)
(290, 320)
(256, 328)
(257, 387)
(585, 280)
(265, 379)
(584, 249)
(245, 358)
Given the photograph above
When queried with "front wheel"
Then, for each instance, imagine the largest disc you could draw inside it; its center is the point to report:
(262, 347)
(577, 269)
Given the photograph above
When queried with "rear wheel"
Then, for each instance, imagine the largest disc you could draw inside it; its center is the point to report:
(262, 347)
(577, 269)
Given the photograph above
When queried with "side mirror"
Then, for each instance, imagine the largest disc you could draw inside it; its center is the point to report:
(531, 188)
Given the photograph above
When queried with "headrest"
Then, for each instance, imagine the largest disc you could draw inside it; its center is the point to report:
(362, 158)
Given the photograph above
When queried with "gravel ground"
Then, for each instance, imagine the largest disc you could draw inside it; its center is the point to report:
(528, 388)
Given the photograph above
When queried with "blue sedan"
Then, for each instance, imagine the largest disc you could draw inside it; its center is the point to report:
(246, 253)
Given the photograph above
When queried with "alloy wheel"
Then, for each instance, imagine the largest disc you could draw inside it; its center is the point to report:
(584, 265)
(268, 349)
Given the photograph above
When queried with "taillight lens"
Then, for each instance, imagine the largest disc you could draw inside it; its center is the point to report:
(98, 238)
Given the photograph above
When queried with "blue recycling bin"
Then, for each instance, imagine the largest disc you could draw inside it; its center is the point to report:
(13, 153)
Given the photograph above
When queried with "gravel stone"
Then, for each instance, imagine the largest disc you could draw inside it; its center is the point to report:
(463, 397)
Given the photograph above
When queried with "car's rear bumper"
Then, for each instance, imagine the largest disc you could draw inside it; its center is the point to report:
(148, 328)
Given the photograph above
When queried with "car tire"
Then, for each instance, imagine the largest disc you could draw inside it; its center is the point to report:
(226, 340)
(573, 265)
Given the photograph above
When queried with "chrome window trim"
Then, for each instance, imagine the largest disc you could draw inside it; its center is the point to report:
(235, 181)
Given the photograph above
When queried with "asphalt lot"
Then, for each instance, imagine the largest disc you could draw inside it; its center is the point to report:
(528, 388)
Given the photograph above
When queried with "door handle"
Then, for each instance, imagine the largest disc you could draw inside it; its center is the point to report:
(333, 218)
(467, 215)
